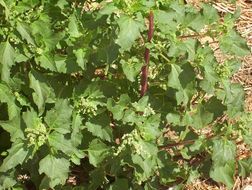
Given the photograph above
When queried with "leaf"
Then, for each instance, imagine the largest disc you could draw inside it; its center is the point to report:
(31, 119)
(14, 128)
(7, 57)
(16, 155)
(232, 43)
(202, 117)
(245, 167)
(131, 68)
(129, 31)
(59, 118)
(119, 184)
(150, 128)
(224, 173)
(7, 180)
(6, 96)
(99, 126)
(210, 13)
(73, 27)
(7, 10)
(42, 92)
(173, 118)
(97, 178)
(223, 169)
(77, 126)
(97, 152)
(223, 151)
(23, 30)
(118, 108)
(47, 61)
(173, 78)
(81, 59)
(144, 167)
(55, 168)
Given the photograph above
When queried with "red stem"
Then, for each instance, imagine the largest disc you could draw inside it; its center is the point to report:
(144, 75)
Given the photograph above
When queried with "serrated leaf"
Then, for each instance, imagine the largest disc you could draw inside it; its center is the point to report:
(24, 31)
(59, 118)
(118, 108)
(6, 96)
(42, 92)
(223, 151)
(150, 128)
(14, 128)
(131, 68)
(55, 168)
(173, 118)
(224, 173)
(77, 126)
(31, 119)
(97, 152)
(7, 10)
(119, 184)
(73, 27)
(129, 31)
(16, 155)
(202, 117)
(245, 167)
(99, 126)
(173, 78)
(210, 13)
(97, 178)
(47, 61)
(232, 43)
(7, 57)
(7, 180)
(81, 60)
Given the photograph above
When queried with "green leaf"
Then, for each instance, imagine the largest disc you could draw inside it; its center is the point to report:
(7, 10)
(56, 169)
(245, 167)
(77, 126)
(100, 127)
(224, 173)
(119, 184)
(131, 68)
(129, 31)
(150, 128)
(202, 117)
(223, 151)
(7, 180)
(7, 57)
(81, 59)
(210, 13)
(173, 78)
(6, 96)
(97, 178)
(14, 128)
(97, 152)
(223, 157)
(59, 118)
(16, 155)
(73, 27)
(24, 31)
(47, 61)
(118, 108)
(232, 43)
(42, 92)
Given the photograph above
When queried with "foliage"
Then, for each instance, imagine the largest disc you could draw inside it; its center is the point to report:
(69, 95)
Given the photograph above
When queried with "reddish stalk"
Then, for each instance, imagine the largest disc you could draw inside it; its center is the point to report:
(144, 74)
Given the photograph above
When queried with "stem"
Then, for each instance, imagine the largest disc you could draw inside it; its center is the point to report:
(144, 74)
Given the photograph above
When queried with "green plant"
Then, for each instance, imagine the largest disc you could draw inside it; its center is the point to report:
(70, 94)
